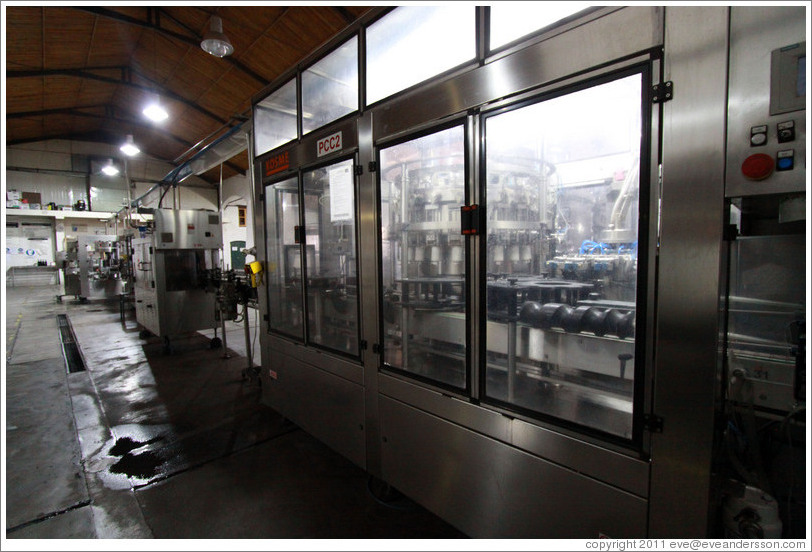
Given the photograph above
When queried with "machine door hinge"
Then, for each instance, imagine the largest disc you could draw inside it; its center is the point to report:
(730, 232)
(373, 166)
(297, 234)
(377, 348)
(363, 344)
(653, 423)
(359, 169)
(662, 92)
(266, 318)
(262, 196)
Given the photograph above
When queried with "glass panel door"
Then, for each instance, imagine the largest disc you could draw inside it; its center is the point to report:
(562, 189)
(422, 186)
(284, 257)
(332, 281)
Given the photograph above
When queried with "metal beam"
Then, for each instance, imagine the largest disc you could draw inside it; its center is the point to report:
(82, 74)
(194, 41)
(109, 114)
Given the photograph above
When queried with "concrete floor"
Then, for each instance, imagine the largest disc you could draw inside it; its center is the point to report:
(146, 445)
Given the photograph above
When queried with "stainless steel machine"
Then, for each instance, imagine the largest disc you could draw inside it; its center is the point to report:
(172, 266)
(94, 267)
(557, 291)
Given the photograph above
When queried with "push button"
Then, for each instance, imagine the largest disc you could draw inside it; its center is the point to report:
(785, 160)
(758, 166)
(786, 132)
(758, 135)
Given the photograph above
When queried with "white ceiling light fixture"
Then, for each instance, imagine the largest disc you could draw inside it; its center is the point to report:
(109, 169)
(154, 110)
(129, 147)
(214, 41)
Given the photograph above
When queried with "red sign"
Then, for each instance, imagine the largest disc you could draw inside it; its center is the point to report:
(329, 145)
(277, 163)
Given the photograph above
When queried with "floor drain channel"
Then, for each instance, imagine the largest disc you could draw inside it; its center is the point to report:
(70, 349)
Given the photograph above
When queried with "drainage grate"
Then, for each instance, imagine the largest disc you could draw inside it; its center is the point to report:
(70, 349)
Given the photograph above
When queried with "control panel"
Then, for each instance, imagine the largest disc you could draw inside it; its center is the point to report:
(187, 229)
(766, 140)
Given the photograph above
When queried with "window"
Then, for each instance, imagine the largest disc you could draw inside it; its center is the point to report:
(332, 280)
(562, 195)
(284, 274)
(510, 22)
(275, 119)
(413, 43)
(241, 214)
(330, 87)
(422, 187)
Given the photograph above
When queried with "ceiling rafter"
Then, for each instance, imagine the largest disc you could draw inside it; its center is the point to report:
(111, 138)
(124, 80)
(56, 111)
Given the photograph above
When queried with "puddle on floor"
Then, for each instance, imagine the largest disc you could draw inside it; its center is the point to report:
(142, 466)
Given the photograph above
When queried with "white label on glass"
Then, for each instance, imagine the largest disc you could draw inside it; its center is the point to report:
(341, 193)
(329, 145)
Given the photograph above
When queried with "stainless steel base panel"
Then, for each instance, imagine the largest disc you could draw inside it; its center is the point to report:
(325, 405)
(488, 489)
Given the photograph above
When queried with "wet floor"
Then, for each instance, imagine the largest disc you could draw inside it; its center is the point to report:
(144, 444)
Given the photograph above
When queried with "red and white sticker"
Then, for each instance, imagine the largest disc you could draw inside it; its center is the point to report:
(329, 144)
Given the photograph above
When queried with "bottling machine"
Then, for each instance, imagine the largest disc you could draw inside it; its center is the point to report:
(557, 290)
(173, 264)
(95, 267)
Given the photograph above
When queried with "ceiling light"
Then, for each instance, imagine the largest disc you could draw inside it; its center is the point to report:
(154, 111)
(109, 169)
(214, 41)
(129, 147)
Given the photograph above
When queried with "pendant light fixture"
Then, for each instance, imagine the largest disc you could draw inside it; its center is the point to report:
(214, 41)
(154, 111)
(129, 148)
(109, 169)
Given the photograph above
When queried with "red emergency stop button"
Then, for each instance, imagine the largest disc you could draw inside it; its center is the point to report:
(758, 166)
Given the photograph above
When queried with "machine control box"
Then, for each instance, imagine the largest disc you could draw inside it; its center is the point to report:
(766, 104)
(187, 229)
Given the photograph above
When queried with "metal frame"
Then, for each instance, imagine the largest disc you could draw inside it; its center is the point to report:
(687, 331)
(645, 280)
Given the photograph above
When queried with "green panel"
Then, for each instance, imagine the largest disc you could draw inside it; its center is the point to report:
(237, 256)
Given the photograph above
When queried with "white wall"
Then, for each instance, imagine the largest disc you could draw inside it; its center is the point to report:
(236, 192)
(28, 243)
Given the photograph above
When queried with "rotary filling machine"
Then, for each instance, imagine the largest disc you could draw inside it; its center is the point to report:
(570, 278)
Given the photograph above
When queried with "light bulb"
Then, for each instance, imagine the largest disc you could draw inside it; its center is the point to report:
(109, 169)
(154, 112)
(129, 147)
